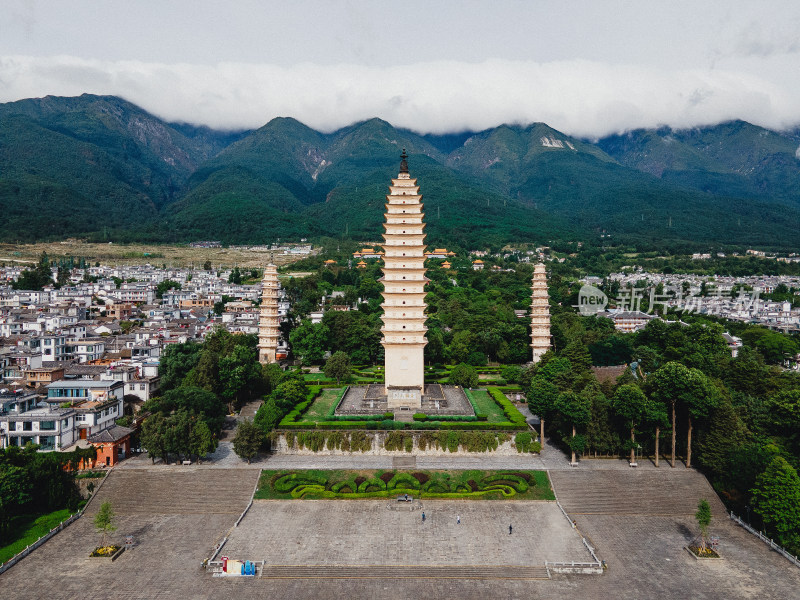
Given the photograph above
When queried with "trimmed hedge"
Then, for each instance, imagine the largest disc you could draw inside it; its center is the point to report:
(446, 418)
(477, 484)
(511, 412)
(524, 443)
(336, 404)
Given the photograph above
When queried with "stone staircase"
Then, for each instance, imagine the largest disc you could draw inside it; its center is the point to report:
(403, 572)
(175, 491)
(664, 492)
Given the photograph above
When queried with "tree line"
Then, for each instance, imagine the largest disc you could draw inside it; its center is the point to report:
(736, 418)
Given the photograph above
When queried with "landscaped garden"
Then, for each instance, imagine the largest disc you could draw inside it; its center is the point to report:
(485, 404)
(342, 484)
(493, 411)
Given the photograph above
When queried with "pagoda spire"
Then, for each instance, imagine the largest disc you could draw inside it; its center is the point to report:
(540, 313)
(268, 321)
(404, 291)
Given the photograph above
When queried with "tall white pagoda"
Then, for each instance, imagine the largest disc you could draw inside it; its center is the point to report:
(540, 313)
(268, 322)
(404, 294)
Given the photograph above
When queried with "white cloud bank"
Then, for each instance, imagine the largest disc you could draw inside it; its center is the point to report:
(579, 97)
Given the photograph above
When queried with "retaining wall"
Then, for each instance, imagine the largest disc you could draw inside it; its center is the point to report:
(279, 446)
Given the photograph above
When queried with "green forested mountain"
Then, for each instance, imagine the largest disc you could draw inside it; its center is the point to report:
(103, 168)
(71, 166)
(732, 159)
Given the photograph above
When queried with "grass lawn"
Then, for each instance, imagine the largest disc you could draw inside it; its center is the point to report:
(317, 377)
(344, 484)
(487, 406)
(318, 411)
(27, 529)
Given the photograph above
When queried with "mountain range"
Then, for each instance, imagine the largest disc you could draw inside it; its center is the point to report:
(102, 168)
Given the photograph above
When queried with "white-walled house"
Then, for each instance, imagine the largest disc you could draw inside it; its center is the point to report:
(23, 422)
(97, 403)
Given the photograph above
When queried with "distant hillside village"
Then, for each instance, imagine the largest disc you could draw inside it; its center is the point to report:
(72, 361)
(637, 296)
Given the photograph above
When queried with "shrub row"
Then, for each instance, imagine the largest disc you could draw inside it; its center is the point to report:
(451, 418)
(524, 443)
(510, 389)
(509, 410)
(313, 392)
(336, 404)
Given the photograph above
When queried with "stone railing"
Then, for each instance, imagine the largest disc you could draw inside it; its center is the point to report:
(20, 555)
(790, 557)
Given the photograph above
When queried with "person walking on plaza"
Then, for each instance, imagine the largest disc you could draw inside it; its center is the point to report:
(423, 516)
(509, 530)
(458, 520)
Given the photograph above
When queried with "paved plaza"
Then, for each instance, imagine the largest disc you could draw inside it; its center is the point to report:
(638, 520)
(371, 532)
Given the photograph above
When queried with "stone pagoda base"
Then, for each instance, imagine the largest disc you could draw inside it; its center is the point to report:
(373, 400)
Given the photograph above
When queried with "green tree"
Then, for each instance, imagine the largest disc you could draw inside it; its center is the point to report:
(435, 349)
(578, 356)
(36, 278)
(289, 394)
(309, 342)
(248, 440)
(15, 492)
(672, 385)
(557, 371)
(656, 417)
(240, 375)
(577, 410)
(776, 499)
(165, 286)
(511, 373)
(703, 516)
(268, 415)
(542, 397)
(153, 436)
(725, 433)
(464, 375)
(338, 366)
(699, 404)
(630, 403)
(783, 417)
(201, 440)
(775, 347)
(104, 521)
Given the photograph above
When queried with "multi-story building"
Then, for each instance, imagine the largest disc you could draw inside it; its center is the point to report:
(97, 403)
(22, 421)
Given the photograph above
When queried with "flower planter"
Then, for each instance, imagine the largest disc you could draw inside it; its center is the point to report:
(111, 557)
(712, 556)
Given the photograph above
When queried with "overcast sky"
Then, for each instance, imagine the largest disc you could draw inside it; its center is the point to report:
(585, 68)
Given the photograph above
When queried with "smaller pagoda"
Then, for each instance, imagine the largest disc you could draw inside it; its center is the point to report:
(268, 321)
(540, 313)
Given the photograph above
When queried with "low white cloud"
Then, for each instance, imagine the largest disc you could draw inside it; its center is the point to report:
(579, 97)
